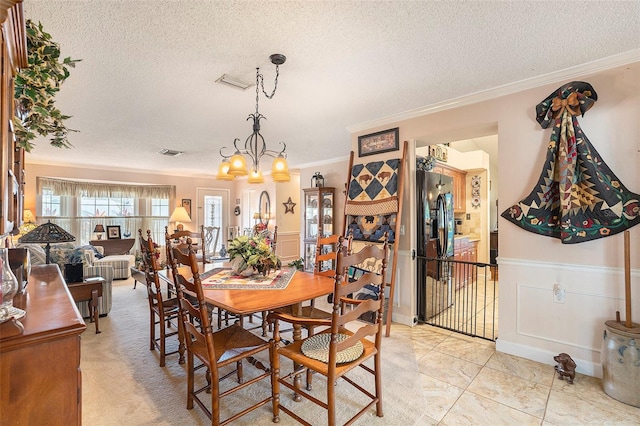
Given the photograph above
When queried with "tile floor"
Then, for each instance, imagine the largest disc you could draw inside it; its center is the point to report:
(468, 382)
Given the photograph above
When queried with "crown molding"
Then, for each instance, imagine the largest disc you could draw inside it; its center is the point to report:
(571, 73)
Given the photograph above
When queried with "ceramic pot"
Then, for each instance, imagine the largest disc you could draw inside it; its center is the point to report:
(621, 365)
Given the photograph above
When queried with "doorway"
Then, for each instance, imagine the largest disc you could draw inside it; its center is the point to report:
(472, 309)
(212, 210)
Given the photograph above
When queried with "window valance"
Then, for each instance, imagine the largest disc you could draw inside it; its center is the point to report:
(104, 189)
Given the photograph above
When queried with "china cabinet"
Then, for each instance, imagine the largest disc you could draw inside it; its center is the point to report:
(318, 220)
(14, 56)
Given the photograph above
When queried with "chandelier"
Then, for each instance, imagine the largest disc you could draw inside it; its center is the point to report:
(254, 146)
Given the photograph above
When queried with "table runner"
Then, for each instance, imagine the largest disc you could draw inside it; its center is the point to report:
(224, 279)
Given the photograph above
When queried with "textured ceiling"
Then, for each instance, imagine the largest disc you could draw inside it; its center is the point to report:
(148, 70)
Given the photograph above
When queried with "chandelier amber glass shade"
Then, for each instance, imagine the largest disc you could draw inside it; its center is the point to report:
(238, 165)
(223, 171)
(255, 177)
(280, 170)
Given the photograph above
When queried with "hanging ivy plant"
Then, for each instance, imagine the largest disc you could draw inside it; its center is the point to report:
(35, 89)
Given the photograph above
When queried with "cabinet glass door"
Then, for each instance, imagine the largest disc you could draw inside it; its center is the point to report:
(311, 215)
(327, 213)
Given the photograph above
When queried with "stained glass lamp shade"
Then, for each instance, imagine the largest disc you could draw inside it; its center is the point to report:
(47, 233)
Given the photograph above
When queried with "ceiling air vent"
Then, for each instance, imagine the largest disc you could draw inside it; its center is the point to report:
(233, 82)
(170, 152)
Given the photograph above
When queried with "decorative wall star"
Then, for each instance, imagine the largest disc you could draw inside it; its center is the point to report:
(288, 206)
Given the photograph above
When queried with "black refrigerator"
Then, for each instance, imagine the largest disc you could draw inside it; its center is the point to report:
(435, 233)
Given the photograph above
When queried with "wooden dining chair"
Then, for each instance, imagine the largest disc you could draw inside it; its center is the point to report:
(336, 352)
(327, 249)
(170, 239)
(210, 236)
(163, 313)
(216, 350)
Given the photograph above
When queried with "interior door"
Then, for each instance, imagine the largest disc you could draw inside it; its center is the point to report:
(213, 210)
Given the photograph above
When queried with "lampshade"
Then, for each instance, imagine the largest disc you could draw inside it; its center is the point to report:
(28, 216)
(238, 165)
(255, 177)
(47, 233)
(98, 228)
(180, 215)
(223, 171)
(280, 169)
(280, 177)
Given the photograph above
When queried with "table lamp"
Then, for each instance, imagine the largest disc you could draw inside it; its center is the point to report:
(180, 215)
(99, 230)
(47, 233)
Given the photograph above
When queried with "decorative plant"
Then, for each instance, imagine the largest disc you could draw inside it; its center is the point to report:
(35, 89)
(253, 252)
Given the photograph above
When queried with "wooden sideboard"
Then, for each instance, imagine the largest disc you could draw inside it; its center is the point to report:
(13, 48)
(115, 246)
(40, 376)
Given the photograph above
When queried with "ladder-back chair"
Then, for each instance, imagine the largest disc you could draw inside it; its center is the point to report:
(216, 350)
(335, 352)
(163, 313)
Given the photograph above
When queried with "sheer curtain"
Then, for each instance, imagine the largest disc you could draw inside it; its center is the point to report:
(82, 227)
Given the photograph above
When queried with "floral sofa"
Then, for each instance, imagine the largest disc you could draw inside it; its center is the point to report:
(61, 254)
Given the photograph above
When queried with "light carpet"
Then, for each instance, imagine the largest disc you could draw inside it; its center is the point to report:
(122, 383)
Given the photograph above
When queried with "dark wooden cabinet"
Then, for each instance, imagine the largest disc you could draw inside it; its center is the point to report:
(114, 246)
(41, 382)
(14, 57)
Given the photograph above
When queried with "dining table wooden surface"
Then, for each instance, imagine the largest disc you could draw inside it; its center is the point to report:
(303, 286)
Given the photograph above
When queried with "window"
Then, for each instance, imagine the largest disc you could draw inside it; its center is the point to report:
(51, 205)
(102, 206)
(78, 207)
(159, 207)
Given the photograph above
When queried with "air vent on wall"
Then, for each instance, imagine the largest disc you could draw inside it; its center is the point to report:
(233, 82)
(170, 152)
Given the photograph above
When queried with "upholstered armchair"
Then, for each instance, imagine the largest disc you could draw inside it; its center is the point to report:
(60, 255)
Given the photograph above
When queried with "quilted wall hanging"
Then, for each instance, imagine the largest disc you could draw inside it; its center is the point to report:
(577, 198)
(372, 201)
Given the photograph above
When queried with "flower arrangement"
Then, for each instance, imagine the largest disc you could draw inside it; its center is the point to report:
(251, 254)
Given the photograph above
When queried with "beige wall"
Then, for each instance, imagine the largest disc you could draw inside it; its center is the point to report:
(531, 324)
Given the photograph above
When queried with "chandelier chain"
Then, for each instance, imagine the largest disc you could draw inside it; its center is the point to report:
(260, 80)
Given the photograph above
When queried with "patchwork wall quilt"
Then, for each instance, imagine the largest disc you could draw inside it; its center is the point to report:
(577, 198)
(372, 200)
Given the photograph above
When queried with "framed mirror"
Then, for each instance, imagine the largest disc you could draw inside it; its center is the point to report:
(264, 206)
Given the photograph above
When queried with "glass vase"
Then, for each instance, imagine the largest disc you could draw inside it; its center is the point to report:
(8, 285)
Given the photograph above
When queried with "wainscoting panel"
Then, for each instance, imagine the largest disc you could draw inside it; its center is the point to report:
(288, 246)
(535, 325)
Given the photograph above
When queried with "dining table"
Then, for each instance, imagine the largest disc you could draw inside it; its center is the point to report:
(302, 287)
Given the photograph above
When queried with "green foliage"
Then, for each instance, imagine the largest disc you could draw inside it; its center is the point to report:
(255, 251)
(35, 89)
(298, 264)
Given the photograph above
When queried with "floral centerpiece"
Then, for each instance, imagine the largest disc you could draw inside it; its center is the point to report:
(250, 255)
